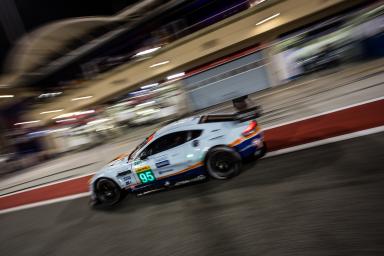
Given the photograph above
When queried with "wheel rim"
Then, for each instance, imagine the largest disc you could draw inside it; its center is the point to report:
(222, 164)
(107, 191)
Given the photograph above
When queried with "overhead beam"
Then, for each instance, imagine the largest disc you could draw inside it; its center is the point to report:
(242, 31)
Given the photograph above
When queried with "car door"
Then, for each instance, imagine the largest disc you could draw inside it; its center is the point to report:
(172, 159)
(166, 156)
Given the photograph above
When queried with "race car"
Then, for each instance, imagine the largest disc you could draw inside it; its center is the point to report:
(184, 151)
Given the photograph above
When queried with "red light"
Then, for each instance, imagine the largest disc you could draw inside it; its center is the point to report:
(251, 127)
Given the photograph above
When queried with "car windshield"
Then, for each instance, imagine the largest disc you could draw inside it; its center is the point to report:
(140, 146)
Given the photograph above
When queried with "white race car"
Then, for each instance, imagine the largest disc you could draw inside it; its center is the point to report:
(187, 150)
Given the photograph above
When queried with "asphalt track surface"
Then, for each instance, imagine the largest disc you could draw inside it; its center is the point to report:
(326, 200)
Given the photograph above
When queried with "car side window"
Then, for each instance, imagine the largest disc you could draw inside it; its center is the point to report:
(165, 142)
(169, 141)
(194, 134)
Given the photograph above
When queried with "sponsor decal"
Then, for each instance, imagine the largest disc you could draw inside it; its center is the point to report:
(143, 168)
(165, 171)
(162, 163)
(145, 174)
(127, 180)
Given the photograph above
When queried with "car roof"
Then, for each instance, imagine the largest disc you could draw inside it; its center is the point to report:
(189, 123)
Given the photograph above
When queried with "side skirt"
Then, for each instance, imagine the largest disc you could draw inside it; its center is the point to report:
(192, 175)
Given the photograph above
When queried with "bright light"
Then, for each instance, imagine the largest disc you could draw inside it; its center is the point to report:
(73, 114)
(139, 92)
(159, 64)
(60, 129)
(85, 112)
(44, 132)
(175, 76)
(66, 120)
(7, 96)
(149, 86)
(51, 111)
(257, 2)
(120, 104)
(29, 122)
(63, 116)
(148, 51)
(48, 95)
(39, 132)
(146, 103)
(102, 120)
(147, 111)
(81, 98)
(267, 19)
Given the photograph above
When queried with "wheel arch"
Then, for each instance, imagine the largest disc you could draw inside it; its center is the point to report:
(214, 147)
(104, 178)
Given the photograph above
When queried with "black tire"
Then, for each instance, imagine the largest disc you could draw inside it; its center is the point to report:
(107, 192)
(223, 163)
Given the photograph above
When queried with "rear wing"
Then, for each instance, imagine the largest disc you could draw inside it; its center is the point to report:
(241, 116)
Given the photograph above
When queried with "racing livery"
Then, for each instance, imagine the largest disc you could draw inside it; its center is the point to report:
(187, 150)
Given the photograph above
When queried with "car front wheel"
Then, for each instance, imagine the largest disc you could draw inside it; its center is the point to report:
(223, 163)
(108, 193)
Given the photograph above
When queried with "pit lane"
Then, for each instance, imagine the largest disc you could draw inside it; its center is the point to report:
(325, 200)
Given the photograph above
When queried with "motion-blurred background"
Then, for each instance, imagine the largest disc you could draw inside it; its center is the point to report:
(84, 81)
(78, 74)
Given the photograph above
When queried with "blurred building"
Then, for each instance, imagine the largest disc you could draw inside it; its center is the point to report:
(160, 60)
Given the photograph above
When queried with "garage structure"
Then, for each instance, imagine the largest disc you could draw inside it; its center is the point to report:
(239, 77)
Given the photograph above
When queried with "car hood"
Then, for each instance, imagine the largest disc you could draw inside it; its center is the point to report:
(113, 168)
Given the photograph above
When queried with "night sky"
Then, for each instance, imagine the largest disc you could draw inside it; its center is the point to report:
(35, 13)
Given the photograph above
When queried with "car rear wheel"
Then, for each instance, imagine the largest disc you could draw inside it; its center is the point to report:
(108, 193)
(223, 163)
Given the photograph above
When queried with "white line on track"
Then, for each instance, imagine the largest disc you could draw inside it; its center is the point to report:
(325, 113)
(326, 141)
(51, 201)
(271, 154)
(48, 184)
